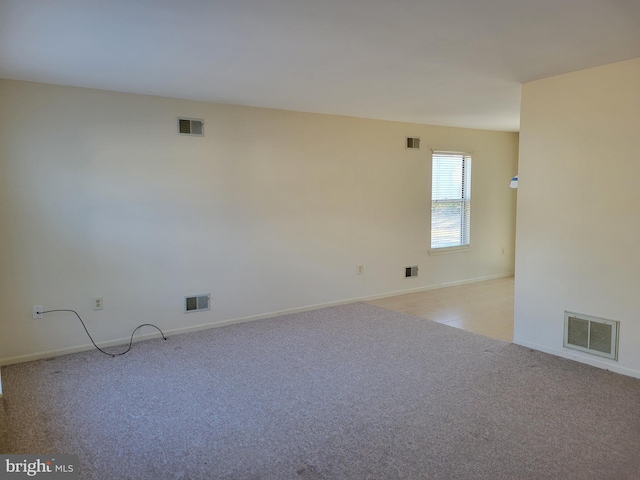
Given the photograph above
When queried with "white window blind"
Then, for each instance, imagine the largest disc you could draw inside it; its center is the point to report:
(450, 199)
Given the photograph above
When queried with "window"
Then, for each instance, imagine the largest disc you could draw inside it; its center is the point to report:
(450, 200)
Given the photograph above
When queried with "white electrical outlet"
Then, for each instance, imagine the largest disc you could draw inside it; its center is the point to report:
(97, 303)
(37, 311)
(360, 269)
(502, 251)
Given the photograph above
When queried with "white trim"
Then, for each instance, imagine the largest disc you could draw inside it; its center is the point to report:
(474, 280)
(580, 358)
(447, 250)
(222, 323)
(467, 153)
(445, 178)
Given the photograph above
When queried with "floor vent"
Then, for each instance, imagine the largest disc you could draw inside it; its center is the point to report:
(591, 334)
(197, 303)
(411, 272)
(413, 142)
(191, 126)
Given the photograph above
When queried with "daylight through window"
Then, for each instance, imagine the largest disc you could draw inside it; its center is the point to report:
(450, 199)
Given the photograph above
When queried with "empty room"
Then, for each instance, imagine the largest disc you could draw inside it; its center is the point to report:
(297, 239)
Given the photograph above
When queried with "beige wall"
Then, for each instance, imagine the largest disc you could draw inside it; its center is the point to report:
(578, 227)
(270, 211)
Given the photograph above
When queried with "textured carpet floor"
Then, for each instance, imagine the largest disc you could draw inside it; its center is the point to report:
(348, 392)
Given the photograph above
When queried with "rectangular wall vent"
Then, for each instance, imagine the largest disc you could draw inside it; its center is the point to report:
(413, 142)
(591, 334)
(197, 303)
(411, 272)
(191, 126)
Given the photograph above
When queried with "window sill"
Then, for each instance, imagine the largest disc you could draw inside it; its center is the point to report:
(447, 250)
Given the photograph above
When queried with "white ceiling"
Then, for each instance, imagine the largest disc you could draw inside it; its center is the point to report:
(443, 62)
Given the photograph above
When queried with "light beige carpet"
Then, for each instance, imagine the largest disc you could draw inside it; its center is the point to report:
(349, 392)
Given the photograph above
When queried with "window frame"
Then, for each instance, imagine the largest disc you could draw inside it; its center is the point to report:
(464, 199)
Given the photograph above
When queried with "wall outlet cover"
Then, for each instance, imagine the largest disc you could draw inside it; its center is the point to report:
(98, 304)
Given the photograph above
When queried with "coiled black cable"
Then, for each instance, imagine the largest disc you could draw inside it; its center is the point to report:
(91, 338)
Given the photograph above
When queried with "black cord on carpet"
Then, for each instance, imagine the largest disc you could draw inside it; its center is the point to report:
(94, 343)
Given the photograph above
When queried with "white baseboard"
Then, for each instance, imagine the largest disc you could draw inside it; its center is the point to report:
(581, 358)
(222, 323)
(430, 287)
(474, 280)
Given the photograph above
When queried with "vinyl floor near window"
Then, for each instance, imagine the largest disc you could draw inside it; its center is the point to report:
(485, 307)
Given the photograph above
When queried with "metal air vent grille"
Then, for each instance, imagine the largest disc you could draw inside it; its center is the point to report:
(591, 334)
(191, 126)
(197, 303)
(413, 143)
